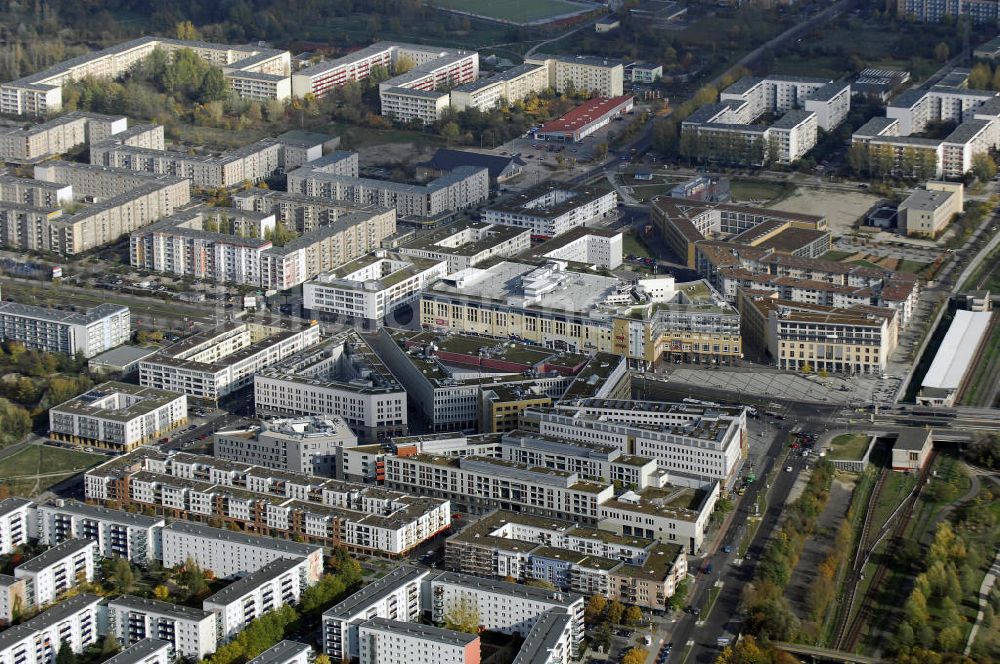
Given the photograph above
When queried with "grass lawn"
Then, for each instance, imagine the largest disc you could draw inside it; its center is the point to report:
(836, 255)
(849, 446)
(749, 190)
(913, 267)
(21, 470)
(517, 11)
(865, 263)
(632, 245)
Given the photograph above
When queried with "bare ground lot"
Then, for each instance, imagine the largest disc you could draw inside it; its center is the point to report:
(818, 546)
(841, 208)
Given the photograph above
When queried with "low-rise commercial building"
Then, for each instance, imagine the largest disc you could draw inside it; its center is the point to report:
(121, 362)
(277, 583)
(383, 641)
(911, 449)
(211, 364)
(551, 209)
(55, 331)
(342, 377)
(371, 288)
(585, 119)
(190, 632)
(950, 369)
(56, 570)
(927, 212)
(73, 621)
(118, 416)
(307, 445)
(135, 537)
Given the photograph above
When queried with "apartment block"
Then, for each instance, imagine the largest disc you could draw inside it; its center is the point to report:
(41, 92)
(467, 243)
(395, 596)
(146, 651)
(508, 86)
(573, 558)
(927, 212)
(371, 288)
(504, 607)
(117, 416)
(211, 364)
(285, 652)
(55, 137)
(277, 583)
(552, 209)
(55, 331)
(550, 640)
(132, 536)
(190, 632)
(230, 554)
(934, 11)
(53, 572)
(13, 599)
(588, 246)
(305, 214)
(34, 193)
(382, 641)
(15, 516)
(581, 73)
(341, 377)
(265, 501)
(307, 445)
(464, 187)
(37, 641)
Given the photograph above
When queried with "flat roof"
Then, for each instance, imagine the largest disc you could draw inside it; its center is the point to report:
(957, 350)
(8, 505)
(420, 631)
(375, 590)
(98, 512)
(139, 651)
(123, 355)
(281, 652)
(585, 114)
(59, 612)
(554, 597)
(148, 605)
(55, 554)
(254, 580)
(543, 637)
(199, 530)
(94, 315)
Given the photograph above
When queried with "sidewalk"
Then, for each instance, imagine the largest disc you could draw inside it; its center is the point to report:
(984, 593)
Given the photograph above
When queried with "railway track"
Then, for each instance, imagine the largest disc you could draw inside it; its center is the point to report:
(894, 528)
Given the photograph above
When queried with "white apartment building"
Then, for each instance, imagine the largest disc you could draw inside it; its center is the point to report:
(509, 86)
(395, 596)
(468, 243)
(307, 445)
(57, 136)
(36, 193)
(551, 209)
(383, 641)
(277, 583)
(372, 287)
(56, 570)
(582, 73)
(464, 187)
(590, 246)
(408, 104)
(116, 532)
(54, 331)
(15, 523)
(508, 608)
(146, 651)
(13, 598)
(550, 641)
(118, 416)
(342, 377)
(190, 632)
(794, 134)
(37, 641)
(694, 440)
(41, 93)
(285, 652)
(211, 364)
(229, 553)
(309, 213)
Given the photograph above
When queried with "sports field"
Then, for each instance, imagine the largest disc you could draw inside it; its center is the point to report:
(515, 11)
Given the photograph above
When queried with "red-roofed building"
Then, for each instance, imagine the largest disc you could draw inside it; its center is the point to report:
(585, 119)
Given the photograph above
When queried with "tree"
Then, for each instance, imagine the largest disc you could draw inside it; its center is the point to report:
(65, 654)
(322, 658)
(122, 576)
(941, 52)
(213, 86)
(462, 616)
(615, 612)
(110, 645)
(601, 151)
(595, 608)
(450, 131)
(193, 578)
(635, 656)
(983, 167)
(161, 592)
(186, 30)
(633, 615)
(403, 64)
(540, 583)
